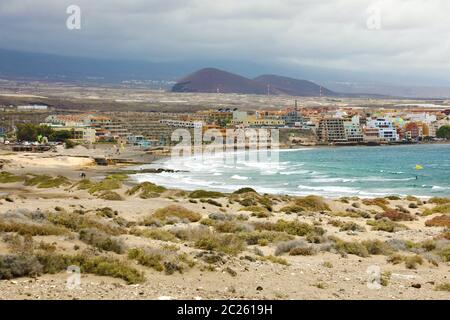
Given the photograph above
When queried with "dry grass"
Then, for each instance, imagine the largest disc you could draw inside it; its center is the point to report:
(32, 229)
(110, 196)
(256, 211)
(351, 226)
(379, 202)
(309, 203)
(45, 181)
(198, 194)
(437, 200)
(291, 227)
(411, 262)
(147, 190)
(264, 237)
(442, 208)
(111, 182)
(156, 234)
(176, 211)
(443, 287)
(7, 177)
(274, 259)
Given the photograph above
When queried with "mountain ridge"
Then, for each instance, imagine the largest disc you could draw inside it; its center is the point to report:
(212, 80)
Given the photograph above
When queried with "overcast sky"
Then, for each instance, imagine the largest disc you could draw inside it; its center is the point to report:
(412, 41)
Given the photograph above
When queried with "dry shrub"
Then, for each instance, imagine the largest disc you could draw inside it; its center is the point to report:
(379, 202)
(102, 240)
(411, 262)
(30, 228)
(264, 237)
(226, 243)
(312, 203)
(377, 247)
(345, 247)
(155, 233)
(77, 222)
(386, 225)
(440, 221)
(175, 211)
(291, 227)
(395, 215)
(351, 226)
(437, 200)
(14, 266)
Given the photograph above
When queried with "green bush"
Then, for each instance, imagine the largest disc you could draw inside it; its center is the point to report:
(244, 190)
(45, 181)
(443, 132)
(205, 194)
(152, 260)
(7, 177)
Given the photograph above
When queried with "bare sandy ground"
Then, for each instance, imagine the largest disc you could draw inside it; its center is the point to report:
(324, 275)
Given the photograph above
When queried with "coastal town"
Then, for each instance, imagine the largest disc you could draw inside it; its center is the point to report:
(298, 125)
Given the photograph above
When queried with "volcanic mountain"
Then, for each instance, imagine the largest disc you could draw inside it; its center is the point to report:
(212, 80)
(293, 87)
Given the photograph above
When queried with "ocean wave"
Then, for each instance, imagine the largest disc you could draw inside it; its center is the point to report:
(238, 177)
(331, 189)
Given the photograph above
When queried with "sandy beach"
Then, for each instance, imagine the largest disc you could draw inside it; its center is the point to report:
(158, 243)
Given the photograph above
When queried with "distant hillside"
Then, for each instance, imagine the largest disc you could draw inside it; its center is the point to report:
(210, 80)
(293, 87)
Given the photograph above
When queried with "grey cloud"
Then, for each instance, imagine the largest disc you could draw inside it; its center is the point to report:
(414, 37)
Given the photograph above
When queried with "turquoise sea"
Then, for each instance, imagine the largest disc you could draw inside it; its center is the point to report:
(331, 172)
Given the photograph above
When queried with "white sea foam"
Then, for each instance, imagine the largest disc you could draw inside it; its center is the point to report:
(238, 177)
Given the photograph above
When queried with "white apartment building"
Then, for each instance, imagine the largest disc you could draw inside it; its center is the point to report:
(386, 130)
(182, 124)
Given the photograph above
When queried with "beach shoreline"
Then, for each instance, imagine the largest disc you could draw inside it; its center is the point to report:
(246, 268)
